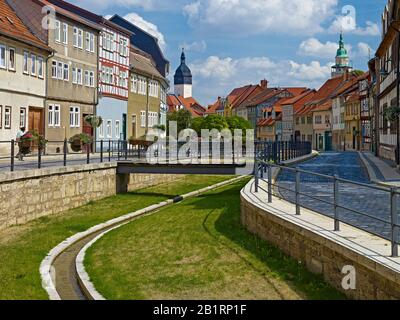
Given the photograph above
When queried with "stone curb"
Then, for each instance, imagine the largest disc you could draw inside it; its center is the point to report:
(46, 267)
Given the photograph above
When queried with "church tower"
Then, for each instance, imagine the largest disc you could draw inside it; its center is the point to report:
(342, 60)
(183, 79)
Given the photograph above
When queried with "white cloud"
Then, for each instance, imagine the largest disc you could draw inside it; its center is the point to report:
(148, 27)
(313, 47)
(348, 24)
(216, 76)
(196, 46)
(364, 50)
(257, 16)
(147, 5)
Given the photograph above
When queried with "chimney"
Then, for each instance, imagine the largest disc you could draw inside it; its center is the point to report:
(264, 84)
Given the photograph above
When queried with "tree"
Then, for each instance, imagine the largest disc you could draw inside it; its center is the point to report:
(183, 118)
(215, 121)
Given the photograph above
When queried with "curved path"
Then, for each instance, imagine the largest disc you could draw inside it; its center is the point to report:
(346, 165)
(59, 271)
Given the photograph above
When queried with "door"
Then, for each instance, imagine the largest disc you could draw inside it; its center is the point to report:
(328, 141)
(354, 138)
(36, 122)
(86, 128)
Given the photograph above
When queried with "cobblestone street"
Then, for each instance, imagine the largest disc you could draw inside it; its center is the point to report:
(372, 202)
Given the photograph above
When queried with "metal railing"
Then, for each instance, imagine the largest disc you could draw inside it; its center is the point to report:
(263, 167)
(279, 151)
(60, 153)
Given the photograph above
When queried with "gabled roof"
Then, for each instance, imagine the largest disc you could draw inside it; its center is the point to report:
(89, 15)
(326, 90)
(143, 64)
(12, 26)
(326, 106)
(261, 97)
(190, 104)
(144, 41)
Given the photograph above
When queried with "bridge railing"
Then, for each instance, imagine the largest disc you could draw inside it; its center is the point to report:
(263, 172)
(279, 151)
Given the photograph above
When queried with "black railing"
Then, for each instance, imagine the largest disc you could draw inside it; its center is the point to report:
(279, 151)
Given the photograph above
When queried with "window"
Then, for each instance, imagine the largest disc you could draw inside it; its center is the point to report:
(57, 116)
(33, 65)
(66, 72)
(109, 132)
(117, 129)
(54, 116)
(78, 38)
(309, 120)
(297, 120)
(89, 42)
(74, 117)
(101, 131)
(54, 69)
(91, 79)
(2, 56)
(79, 72)
(143, 119)
(134, 83)
(7, 117)
(74, 76)
(22, 118)
(153, 89)
(318, 119)
(25, 67)
(60, 67)
(327, 119)
(303, 120)
(11, 59)
(57, 31)
(40, 67)
(65, 33)
(87, 83)
(142, 86)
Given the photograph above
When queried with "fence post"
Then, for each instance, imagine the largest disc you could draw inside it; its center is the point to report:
(65, 153)
(256, 175)
(126, 150)
(297, 192)
(109, 150)
(12, 154)
(269, 184)
(88, 153)
(39, 157)
(119, 146)
(278, 151)
(393, 222)
(101, 150)
(336, 202)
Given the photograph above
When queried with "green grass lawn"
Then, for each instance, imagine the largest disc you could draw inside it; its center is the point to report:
(22, 248)
(198, 249)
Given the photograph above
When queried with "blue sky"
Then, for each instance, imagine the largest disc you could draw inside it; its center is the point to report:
(231, 43)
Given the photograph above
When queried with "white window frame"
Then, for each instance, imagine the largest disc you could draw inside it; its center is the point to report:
(87, 83)
(92, 47)
(40, 67)
(3, 60)
(33, 64)
(87, 39)
(66, 72)
(57, 31)
(143, 119)
(75, 37)
(25, 63)
(60, 70)
(134, 83)
(22, 117)
(91, 79)
(7, 116)
(65, 33)
(80, 38)
(109, 129)
(74, 117)
(117, 129)
(74, 75)
(54, 65)
(79, 76)
(57, 115)
(10, 67)
(101, 131)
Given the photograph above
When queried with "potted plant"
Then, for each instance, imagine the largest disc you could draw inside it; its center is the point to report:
(25, 143)
(79, 140)
(94, 121)
(40, 140)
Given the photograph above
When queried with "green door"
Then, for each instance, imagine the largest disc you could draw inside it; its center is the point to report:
(328, 141)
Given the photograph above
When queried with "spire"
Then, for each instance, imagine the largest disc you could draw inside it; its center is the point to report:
(183, 57)
(341, 52)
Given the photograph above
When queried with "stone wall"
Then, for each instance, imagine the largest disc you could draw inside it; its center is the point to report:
(28, 195)
(321, 255)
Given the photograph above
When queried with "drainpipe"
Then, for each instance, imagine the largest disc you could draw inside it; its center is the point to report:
(46, 90)
(398, 99)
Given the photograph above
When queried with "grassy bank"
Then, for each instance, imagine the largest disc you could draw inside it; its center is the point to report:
(198, 249)
(22, 248)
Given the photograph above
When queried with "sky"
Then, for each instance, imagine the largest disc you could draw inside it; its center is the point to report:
(230, 43)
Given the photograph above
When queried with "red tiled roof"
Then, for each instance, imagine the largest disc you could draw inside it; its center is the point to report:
(327, 89)
(305, 110)
(12, 26)
(323, 107)
(190, 104)
(353, 97)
